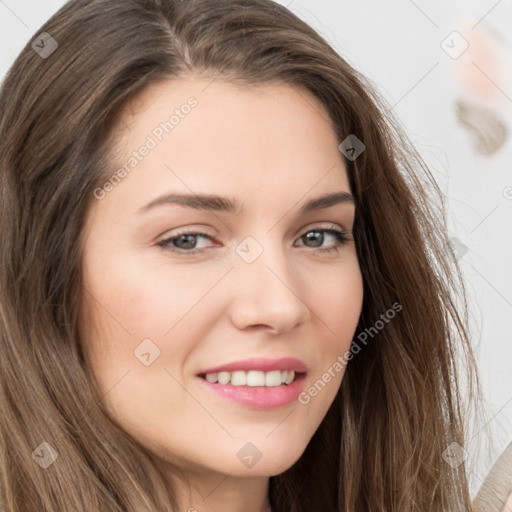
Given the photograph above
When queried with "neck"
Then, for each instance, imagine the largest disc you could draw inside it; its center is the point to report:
(214, 492)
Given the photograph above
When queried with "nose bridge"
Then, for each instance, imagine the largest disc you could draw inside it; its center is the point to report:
(263, 259)
(268, 292)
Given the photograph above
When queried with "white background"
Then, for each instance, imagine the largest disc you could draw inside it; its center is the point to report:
(397, 44)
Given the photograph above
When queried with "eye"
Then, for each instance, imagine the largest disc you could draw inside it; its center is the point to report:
(185, 242)
(318, 235)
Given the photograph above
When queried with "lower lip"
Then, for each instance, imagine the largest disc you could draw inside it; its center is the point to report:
(259, 397)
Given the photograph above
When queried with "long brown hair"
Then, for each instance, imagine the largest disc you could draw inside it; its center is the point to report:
(380, 446)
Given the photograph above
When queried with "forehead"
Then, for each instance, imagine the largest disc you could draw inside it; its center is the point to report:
(210, 135)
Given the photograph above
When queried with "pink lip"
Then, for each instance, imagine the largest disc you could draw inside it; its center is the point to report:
(259, 397)
(262, 364)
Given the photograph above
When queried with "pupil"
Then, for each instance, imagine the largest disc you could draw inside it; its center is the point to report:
(189, 243)
(316, 237)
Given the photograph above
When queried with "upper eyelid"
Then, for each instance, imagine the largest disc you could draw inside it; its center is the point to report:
(201, 231)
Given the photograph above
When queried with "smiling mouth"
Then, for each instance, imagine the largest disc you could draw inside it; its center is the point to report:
(252, 378)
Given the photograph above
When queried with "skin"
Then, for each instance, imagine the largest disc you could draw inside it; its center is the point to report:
(272, 148)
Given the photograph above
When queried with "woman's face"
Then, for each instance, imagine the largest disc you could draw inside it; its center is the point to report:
(261, 291)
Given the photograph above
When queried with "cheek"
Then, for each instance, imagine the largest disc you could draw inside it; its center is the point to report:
(130, 301)
(142, 298)
(337, 304)
(336, 301)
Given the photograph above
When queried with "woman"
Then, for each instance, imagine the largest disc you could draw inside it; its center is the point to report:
(225, 285)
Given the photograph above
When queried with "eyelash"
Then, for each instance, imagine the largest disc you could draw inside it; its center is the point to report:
(341, 237)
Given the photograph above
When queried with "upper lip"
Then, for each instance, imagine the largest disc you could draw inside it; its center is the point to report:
(260, 364)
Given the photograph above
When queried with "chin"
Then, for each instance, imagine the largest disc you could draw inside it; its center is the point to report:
(267, 457)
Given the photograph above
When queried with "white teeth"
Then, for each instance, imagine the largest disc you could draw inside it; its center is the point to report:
(212, 377)
(252, 378)
(238, 378)
(224, 377)
(273, 378)
(290, 377)
(255, 378)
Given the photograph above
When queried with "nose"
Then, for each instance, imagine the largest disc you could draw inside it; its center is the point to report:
(267, 292)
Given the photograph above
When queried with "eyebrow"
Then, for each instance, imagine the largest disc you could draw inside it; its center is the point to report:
(226, 204)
